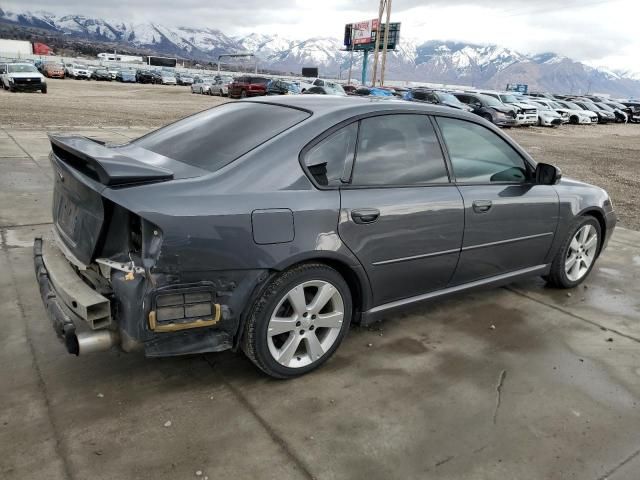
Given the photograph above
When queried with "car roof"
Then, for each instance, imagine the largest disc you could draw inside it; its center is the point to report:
(328, 104)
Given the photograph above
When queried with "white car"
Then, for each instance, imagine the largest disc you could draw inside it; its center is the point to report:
(319, 82)
(526, 112)
(23, 77)
(202, 85)
(575, 114)
(547, 117)
(78, 71)
(220, 86)
(168, 78)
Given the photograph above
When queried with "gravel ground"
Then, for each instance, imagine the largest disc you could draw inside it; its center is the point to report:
(606, 155)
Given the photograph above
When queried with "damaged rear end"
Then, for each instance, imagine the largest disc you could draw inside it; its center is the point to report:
(102, 275)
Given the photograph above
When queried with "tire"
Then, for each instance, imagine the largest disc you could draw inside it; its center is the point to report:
(574, 120)
(44, 90)
(300, 332)
(243, 94)
(560, 275)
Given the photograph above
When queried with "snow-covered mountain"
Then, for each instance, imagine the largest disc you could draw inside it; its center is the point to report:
(432, 61)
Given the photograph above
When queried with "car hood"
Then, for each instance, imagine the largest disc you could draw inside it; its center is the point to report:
(25, 75)
(549, 113)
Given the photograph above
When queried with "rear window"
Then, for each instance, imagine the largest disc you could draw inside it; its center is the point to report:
(259, 80)
(216, 137)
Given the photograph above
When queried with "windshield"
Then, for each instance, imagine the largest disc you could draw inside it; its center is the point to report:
(216, 137)
(542, 106)
(556, 105)
(572, 106)
(605, 107)
(449, 98)
(21, 69)
(491, 101)
(508, 98)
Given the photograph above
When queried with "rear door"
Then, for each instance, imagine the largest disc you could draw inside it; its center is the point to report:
(400, 215)
(510, 221)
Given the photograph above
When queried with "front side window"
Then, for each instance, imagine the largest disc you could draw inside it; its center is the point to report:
(478, 155)
(398, 150)
(329, 162)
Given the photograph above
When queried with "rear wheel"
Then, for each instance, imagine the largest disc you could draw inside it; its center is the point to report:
(577, 255)
(299, 321)
(243, 94)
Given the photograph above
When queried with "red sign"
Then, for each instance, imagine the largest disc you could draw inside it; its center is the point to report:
(362, 31)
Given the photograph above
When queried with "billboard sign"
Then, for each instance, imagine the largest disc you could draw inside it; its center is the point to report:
(363, 31)
(517, 87)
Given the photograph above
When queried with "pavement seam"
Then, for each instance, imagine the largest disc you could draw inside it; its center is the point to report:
(284, 446)
(21, 148)
(59, 449)
(571, 314)
(6, 227)
(620, 465)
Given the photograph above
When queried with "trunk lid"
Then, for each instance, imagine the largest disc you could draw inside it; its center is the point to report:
(83, 170)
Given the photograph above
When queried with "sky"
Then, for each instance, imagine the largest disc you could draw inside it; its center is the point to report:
(602, 33)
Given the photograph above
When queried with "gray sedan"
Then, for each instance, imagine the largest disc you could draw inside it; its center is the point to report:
(270, 225)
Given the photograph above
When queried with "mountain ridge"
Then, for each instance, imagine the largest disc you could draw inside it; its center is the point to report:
(434, 61)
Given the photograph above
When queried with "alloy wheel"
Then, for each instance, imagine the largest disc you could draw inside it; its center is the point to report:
(581, 253)
(305, 323)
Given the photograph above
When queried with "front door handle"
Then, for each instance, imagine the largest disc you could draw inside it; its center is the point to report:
(365, 215)
(482, 206)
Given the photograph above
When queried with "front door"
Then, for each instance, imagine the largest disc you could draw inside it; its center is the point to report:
(510, 221)
(400, 215)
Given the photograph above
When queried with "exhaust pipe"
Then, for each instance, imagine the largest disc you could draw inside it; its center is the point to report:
(89, 342)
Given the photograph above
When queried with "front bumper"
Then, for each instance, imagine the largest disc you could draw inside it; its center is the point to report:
(505, 121)
(550, 122)
(527, 119)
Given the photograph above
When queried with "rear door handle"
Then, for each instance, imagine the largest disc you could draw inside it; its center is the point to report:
(365, 215)
(482, 206)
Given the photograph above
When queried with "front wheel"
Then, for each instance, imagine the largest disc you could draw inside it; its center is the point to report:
(43, 89)
(243, 94)
(299, 321)
(577, 255)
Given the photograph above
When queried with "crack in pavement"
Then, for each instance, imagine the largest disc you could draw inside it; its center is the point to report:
(503, 375)
(284, 446)
(571, 314)
(620, 465)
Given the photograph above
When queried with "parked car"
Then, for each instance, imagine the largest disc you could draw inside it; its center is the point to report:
(202, 85)
(126, 76)
(577, 114)
(312, 215)
(78, 71)
(282, 87)
(435, 97)
(184, 78)
(23, 77)
(632, 113)
(248, 86)
(147, 76)
(620, 115)
(167, 78)
(220, 85)
(604, 116)
(349, 89)
(547, 116)
(101, 74)
(319, 82)
(53, 70)
(331, 91)
(526, 113)
(369, 91)
(489, 108)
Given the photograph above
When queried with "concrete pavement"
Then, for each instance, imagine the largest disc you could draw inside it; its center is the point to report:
(522, 382)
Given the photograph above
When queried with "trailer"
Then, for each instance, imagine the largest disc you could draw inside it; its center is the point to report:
(15, 48)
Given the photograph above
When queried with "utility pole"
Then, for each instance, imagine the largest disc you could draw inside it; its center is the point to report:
(386, 42)
(381, 7)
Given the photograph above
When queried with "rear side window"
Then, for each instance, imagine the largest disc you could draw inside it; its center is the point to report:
(216, 137)
(398, 150)
(329, 162)
(478, 155)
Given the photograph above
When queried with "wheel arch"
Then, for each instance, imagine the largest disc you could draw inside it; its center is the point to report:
(599, 216)
(354, 275)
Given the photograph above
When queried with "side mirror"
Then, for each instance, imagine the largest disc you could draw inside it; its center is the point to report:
(547, 174)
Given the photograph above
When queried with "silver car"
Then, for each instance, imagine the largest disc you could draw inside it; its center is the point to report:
(202, 85)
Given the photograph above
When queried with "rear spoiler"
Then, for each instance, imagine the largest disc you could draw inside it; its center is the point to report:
(104, 164)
